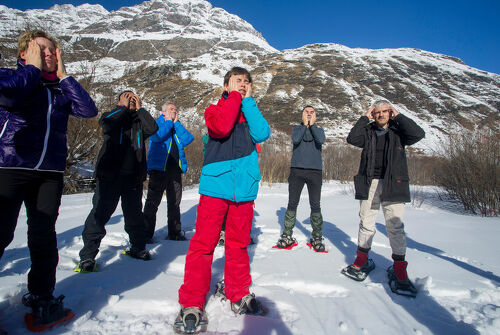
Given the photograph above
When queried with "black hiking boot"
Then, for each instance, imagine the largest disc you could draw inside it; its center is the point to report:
(247, 305)
(179, 236)
(88, 265)
(47, 311)
(138, 254)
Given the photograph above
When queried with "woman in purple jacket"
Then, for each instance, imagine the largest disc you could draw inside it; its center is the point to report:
(35, 103)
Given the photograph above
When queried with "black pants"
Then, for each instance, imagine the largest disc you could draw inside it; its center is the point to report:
(41, 193)
(105, 200)
(313, 179)
(159, 181)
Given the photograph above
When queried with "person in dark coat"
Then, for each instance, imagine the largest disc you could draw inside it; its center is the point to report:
(166, 164)
(382, 181)
(305, 169)
(36, 101)
(120, 172)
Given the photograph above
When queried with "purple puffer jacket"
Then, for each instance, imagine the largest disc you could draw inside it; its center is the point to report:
(34, 118)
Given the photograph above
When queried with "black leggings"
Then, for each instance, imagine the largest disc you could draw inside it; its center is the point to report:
(296, 180)
(41, 193)
(171, 182)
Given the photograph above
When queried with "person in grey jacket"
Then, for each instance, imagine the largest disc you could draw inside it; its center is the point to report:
(305, 168)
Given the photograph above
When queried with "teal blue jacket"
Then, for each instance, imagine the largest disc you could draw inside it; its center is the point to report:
(235, 179)
(160, 144)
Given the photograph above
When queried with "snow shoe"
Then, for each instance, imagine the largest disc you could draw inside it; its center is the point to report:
(191, 320)
(286, 242)
(402, 287)
(248, 305)
(359, 274)
(317, 244)
(219, 290)
(86, 266)
(180, 236)
(47, 312)
(221, 238)
(138, 254)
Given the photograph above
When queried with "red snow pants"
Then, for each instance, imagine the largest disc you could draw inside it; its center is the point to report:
(198, 268)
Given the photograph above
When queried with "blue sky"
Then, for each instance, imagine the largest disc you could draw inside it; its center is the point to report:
(469, 30)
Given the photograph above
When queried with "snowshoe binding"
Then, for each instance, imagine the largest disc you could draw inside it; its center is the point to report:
(47, 312)
(86, 266)
(286, 242)
(220, 290)
(359, 274)
(248, 305)
(138, 254)
(401, 287)
(317, 244)
(191, 320)
(221, 239)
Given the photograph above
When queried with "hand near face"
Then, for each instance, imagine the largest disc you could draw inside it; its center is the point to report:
(33, 55)
(249, 91)
(166, 115)
(304, 119)
(313, 119)
(176, 118)
(137, 101)
(124, 99)
(369, 112)
(232, 85)
(61, 69)
(394, 112)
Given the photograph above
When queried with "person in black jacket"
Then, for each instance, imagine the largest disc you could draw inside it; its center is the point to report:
(382, 180)
(120, 172)
(306, 168)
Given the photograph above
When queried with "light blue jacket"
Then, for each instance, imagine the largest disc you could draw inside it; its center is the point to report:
(238, 179)
(160, 144)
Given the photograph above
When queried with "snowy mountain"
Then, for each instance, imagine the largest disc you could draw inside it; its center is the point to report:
(455, 268)
(179, 50)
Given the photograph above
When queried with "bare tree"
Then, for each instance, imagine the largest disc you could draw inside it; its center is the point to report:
(470, 170)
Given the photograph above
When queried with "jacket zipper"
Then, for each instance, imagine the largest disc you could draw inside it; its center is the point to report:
(178, 143)
(168, 153)
(3, 129)
(47, 132)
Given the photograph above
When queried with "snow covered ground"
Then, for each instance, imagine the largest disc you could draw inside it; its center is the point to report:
(453, 260)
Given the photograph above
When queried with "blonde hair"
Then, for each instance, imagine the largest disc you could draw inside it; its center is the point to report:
(30, 35)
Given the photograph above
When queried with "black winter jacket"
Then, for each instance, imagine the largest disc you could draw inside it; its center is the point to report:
(123, 150)
(402, 131)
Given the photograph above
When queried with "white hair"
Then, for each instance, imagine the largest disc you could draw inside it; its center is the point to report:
(165, 105)
(381, 102)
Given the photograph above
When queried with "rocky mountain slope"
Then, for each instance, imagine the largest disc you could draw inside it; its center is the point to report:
(179, 50)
